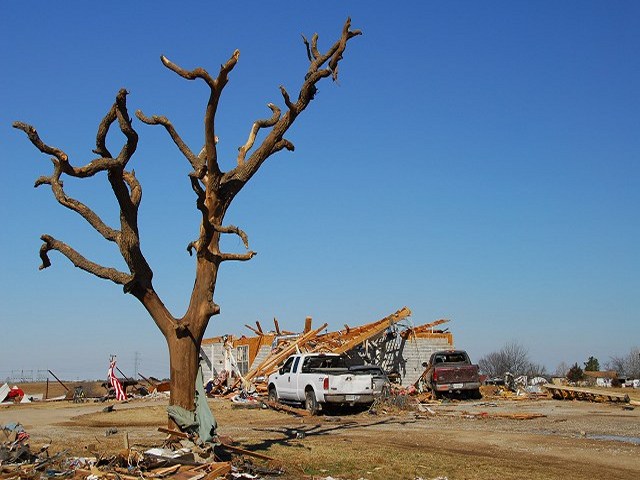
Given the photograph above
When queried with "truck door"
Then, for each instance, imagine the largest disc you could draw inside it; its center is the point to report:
(286, 382)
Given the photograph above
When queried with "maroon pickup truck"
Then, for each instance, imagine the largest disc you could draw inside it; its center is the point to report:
(451, 371)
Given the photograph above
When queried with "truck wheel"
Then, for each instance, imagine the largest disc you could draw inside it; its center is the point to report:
(273, 395)
(310, 403)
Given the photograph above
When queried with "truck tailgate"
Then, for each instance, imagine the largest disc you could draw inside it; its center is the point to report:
(458, 374)
(350, 384)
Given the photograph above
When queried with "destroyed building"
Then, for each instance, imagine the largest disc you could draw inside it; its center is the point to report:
(394, 343)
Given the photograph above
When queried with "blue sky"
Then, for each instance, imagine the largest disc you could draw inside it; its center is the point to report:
(477, 161)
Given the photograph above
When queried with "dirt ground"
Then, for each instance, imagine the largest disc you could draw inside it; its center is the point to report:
(470, 439)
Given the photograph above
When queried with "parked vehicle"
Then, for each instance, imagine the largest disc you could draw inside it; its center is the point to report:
(451, 371)
(321, 380)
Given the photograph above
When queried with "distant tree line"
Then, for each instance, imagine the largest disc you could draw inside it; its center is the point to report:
(626, 365)
(514, 358)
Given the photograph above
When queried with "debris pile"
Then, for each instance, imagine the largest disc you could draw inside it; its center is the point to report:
(244, 364)
(180, 457)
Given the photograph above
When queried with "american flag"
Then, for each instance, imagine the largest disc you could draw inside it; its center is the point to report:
(115, 383)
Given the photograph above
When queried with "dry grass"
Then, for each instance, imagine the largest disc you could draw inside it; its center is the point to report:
(399, 444)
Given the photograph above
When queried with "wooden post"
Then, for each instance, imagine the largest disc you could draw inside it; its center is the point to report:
(59, 381)
(46, 391)
(307, 324)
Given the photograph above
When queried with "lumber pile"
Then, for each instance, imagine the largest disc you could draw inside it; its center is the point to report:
(592, 395)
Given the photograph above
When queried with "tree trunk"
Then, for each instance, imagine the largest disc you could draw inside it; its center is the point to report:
(184, 354)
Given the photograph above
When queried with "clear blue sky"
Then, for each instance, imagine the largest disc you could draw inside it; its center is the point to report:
(478, 161)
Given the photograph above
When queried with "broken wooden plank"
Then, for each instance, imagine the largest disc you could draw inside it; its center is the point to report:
(217, 469)
(257, 332)
(301, 412)
(273, 360)
(519, 416)
(176, 433)
(242, 451)
(375, 329)
(163, 472)
(101, 474)
(412, 332)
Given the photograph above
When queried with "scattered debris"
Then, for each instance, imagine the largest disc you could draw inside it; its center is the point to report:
(181, 460)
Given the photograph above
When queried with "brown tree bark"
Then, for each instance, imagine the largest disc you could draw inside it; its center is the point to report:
(214, 190)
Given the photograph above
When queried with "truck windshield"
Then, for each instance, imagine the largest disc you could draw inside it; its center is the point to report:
(453, 357)
(312, 363)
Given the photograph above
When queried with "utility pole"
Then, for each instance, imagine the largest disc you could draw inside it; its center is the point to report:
(136, 363)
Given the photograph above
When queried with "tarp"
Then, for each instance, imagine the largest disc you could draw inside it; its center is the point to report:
(200, 421)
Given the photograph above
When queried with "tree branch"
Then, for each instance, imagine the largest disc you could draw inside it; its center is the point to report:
(126, 128)
(284, 143)
(286, 98)
(231, 256)
(235, 230)
(269, 122)
(239, 257)
(126, 188)
(79, 261)
(60, 165)
(216, 86)
(193, 159)
(134, 187)
(188, 74)
(235, 179)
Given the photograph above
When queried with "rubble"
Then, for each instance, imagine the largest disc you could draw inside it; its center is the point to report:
(182, 460)
(248, 361)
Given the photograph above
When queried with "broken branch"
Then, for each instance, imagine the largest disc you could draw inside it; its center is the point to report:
(79, 261)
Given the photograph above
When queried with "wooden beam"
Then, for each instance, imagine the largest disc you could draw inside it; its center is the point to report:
(375, 329)
(242, 451)
(175, 433)
(307, 324)
(300, 412)
(275, 323)
(423, 328)
(218, 469)
(59, 381)
(146, 379)
(259, 327)
(585, 394)
(253, 329)
(268, 364)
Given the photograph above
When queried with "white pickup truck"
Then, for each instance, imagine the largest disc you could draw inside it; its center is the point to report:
(319, 380)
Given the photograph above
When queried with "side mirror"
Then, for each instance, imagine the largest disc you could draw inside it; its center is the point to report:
(281, 371)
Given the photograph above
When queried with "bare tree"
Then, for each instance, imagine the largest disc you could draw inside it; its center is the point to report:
(626, 365)
(214, 191)
(512, 358)
(561, 370)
